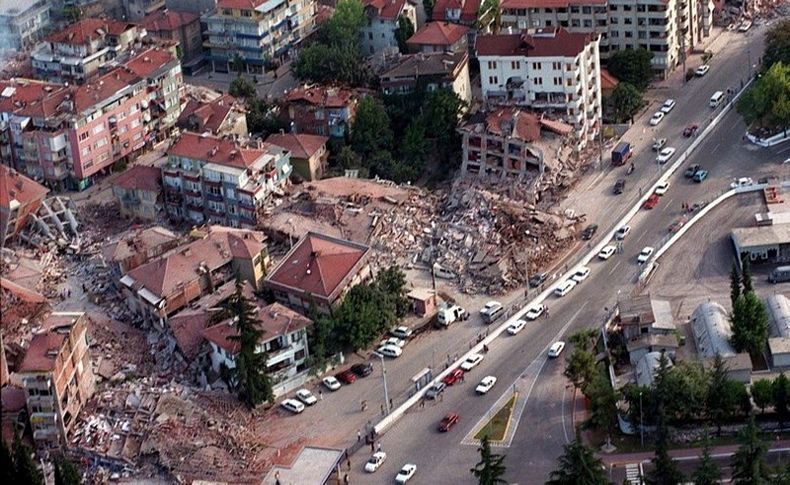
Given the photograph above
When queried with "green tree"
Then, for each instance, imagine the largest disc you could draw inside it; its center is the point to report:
(735, 283)
(415, 147)
(781, 394)
(443, 109)
(750, 324)
(371, 131)
(404, 31)
(632, 66)
(249, 376)
(490, 469)
(241, 88)
(66, 473)
(748, 463)
(322, 341)
(348, 18)
(685, 391)
(777, 44)
(428, 5)
(724, 397)
(578, 466)
(237, 64)
(636, 416)
(332, 63)
(489, 16)
(580, 367)
(365, 313)
(262, 118)
(762, 394)
(584, 338)
(7, 466)
(707, 472)
(71, 14)
(625, 101)
(392, 282)
(348, 159)
(746, 274)
(27, 471)
(603, 403)
(767, 102)
(665, 471)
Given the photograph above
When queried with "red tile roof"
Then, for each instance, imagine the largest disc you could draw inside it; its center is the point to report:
(137, 241)
(214, 150)
(607, 80)
(438, 33)
(469, 9)
(240, 4)
(208, 116)
(548, 42)
(386, 9)
(15, 186)
(140, 177)
(148, 62)
(42, 353)
(24, 294)
(89, 94)
(548, 3)
(318, 264)
(301, 145)
(31, 98)
(275, 320)
(322, 96)
(85, 30)
(513, 122)
(167, 20)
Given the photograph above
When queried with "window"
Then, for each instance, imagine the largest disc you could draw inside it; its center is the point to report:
(86, 150)
(628, 34)
(370, 35)
(214, 190)
(536, 66)
(493, 80)
(137, 136)
(246, 13)
(101, 143)
(574, 9)
(84, 135)
(515, 65)
(557, 66)
(614, 34)
(135, 123)
(97, 129)
(614, 21)
(627, 8)
(588, 24)
(628, 21)
(600, 23)
(538, 81)
(492, 64)
(586, 10)
(227, 11)
(576, 23)
(319, 115)
(558, 81)
(613, 8)
(548, 23)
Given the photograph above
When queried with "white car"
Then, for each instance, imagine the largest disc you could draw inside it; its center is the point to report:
(556, 349)
(657, 117)
(607, 252)
(516, 327)
(645, 254)
(622, 233)
(405, 473)
(398, 342)
(742, 182)
(471, 362)
(745, 26)
(665, 154)
(375, 461)
(534, 312)
(306, 397)
(392, 351)
(564, 288)
(401, 332)
(490, 307)
(786, 162)
(485, 385)
(702, 70)
(662, 188)
(293, 405)
(331, 383)
(581, 274)
(668, 105)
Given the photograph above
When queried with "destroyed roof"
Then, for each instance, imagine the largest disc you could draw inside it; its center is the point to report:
(469, 9)
(712, 330)
(134, 242)
(385, 9)
(207, 148)
(422, 64)
(22, 293)
(643, 309)
(274, 320)
(167, 20)
(300, 145)
(85, 30)
(206, 116)
(240, 4)
(545, 42)
(15, 188)
(318, 264)
(329, 97)
(438, 33)
(514, 123)
(45, 346)
(140, 177)
(148, 62)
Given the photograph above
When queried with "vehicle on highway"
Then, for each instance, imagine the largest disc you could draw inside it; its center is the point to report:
(657, 117)
(581, 274)
(716, 99)
(391, 351)
(645, 254)
(485, 385)
(741, 182)
(293, 406)
(362, 370)
(556, 349)
(402, 332)
(447, 422)
(702, 70)
(658, 143)
(651, 201)
(780, 274)
(619, 186)
(375, 461)
(405, 473)
(787, 161)
(306, 397)
(745, 26)
(331, 383)
(538, 279)
(622, 233)
(665, 154)
(398, 342)
(454, 376)
(471, 362)
(675, 226)
(491, 311)
(346, 377)
(516, 327)
(436, 389)
(691, 170)
(564, 288)
(587, 234)
(621, 153)
(690, 130)
(700, 175)
(668, 106)
(534, 312)
(607, 252)
(661, 188)
(448, 315)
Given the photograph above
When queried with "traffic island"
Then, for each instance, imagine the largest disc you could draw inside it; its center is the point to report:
(496, 427)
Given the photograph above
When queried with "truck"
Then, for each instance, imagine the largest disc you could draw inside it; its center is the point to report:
(780, 274)
(451, 314)
(621, 153)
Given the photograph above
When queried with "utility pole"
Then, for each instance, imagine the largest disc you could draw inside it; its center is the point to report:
(386, 393)
(641, 425)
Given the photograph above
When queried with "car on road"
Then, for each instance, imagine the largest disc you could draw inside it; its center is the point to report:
(490, 307)
(402, 332)
(587, 234)
(391, 351)
(537, 279)
(658, 144)
(622, 233)
(556, 349)
(485, 385)
(454, 376)
(665, 154)
(745, 26)
(331, 383)
(534, 312)
(700, 175)
(661, 188)
(645, 254)
(516, 327)
(702, 70)
(375, 461)
(436, 389)
(405, 473)
(741, 182)
(398, 342)
(564, 288)
(607, 252)
(447, 422)
(293, 406)
(471, 362)
(346, 377)
(786, 162)
(657, 117)
(619, 186)
(306, 397)
(651, 201)
(581, 274)
(362, 370)
(691, 170)
(690, 130)
(675, 226)
(668, 106)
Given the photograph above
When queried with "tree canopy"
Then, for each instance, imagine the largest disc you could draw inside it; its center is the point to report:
(707, 472)
(750, 324)
(767, 102)
(625, 101)
(578, 466)
(490, 469)
(777, 44)
(632, 66)
(403, 33)
(748, 463)
(241, 88)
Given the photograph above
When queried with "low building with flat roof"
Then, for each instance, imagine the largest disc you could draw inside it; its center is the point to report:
(769, 244)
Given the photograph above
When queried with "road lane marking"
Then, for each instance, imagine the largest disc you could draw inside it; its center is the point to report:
(783, 149)
(564, 429)
(667, 205)
(715, 148)
(615, 267)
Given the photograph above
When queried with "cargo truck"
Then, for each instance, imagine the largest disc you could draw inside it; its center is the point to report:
(621, 153)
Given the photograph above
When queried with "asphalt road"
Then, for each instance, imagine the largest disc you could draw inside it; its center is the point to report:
(520, 361)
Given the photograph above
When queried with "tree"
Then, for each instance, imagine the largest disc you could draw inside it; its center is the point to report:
(762, 394)
(625, 101)
(707, 472)
(71, 14)
(767, 102)
(66, 473)
(748, 463)
(631, 395)
(489, 16)
(580, 367)
(27, 471)
(603, 403)
(414, 147)
(489, 470)
(722, 399)
(584, 338)
(249, 376)
(365, 313)
(348, 159)
(371, 132)
(746, 274)
(404, 31)
(781, 394)
(241, 88)
(262, 118)
(392, 282)
(777, 45)
(442, 112)
(665, 471)
(735, 283)
(7, 466)
(750, 324)
(237, 64)
(632, 66)
(322, 341)
(348, 18)
(428, 6)
(332, 63)
(578, 466)
(685, 388)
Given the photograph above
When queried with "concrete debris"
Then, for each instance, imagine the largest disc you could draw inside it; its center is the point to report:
(54, 223)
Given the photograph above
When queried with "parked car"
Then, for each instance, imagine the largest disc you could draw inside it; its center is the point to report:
(375, 461)
(405, 473)
(622, 233)
(619, 186)
(534, 312)
(346, 376)
(306, 397)
(662, 188)
(450, 420)
(471, 362)
(675, 226)
(436, 389)
(645, 254)
(391, 351)
(665, 154)
(362, 370)
(402, 332)
(651, 201)
(587, 234)
(485, 385)
(702, 70)
(691, 170)
(564, 288)
(607, 252)
(556, 349)
(690, 130)
(581, 274)
(745, 26)
(293, 406)
(656, 119)
(516, 327)
(659, 143)
(491, 311)
(398, 342)
(700, 175)
(668, 106)
(454, 376)
(537, 279)
(741, 182)
(331, 383)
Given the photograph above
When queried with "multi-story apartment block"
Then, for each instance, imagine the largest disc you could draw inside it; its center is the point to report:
(136, 247)
(19, 197)
(161, 70)
(256, 31)
(57, 377)
(654, 25)
(137, 9)
(139, 192)
(456, 11)
(216, 179)
(321, 110)
(439, 37)
(76, 53)
(551, 70)
(429, 72)
(181, 27)
(383, 15)
(194, 6)
(309, 155)
(22, 24)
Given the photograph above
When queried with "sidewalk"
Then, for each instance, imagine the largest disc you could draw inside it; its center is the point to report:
(685, 454)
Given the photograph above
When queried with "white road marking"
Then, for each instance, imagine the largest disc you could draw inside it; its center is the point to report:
(716, 147)
(615, 267)
(564, 429)
(667, 205)
(783, 149)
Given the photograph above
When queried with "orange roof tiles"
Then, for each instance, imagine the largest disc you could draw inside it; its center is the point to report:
(31, 98)
(208, 116)
(438, 33)
(42, 353)
(274, 320)
(547, 42)
(215, 150)
(322, 96)
(89, 94)
(240, 4)
(386, 9)
(85, 30)
(140, 177)
(167, 20)
(21, 292)
(15, 186)
(608, 81)
(301, 145)
(469, 9)
(148, 62)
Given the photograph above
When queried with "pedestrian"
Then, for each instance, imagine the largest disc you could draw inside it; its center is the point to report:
(348, 463)
(372, 447)
(359, 436)
(391, 406)
(382, 410)
(378, 446)
(345, 479)
(320, 395)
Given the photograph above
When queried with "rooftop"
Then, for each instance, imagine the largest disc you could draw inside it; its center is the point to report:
(240, 4)
(15, 188)
(313, 465)
(779, 345)
(201, 116)
(134, 242)
(45, 346)
(300, 145)
(546, 42)
(274, 320)
(652, 340)
(746, 237)
(435, 64)
(386, 9)
(330, 97)
(438, 33)
(112, 83)
(27, 97)
(11, 8)
(22, 293)
(140, 177)
(207, 148)
(517, 123)
(167, 20)
(148, 62)
(644, 309)
(779, 310)
(647, 367)
(86, 30)
(469, 9)
(607, 80)
(712, 331)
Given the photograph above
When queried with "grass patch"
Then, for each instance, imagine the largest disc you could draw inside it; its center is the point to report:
(496, 427)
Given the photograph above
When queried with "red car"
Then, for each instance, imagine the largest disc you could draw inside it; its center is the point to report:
(675, 227)
(690, 130)
(453, 377)
(449, 421)
(651, 201)
(346, 377)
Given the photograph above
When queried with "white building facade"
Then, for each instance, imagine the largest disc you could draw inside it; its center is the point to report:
(383, 15)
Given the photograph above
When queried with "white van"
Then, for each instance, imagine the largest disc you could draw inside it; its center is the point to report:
(716, 99)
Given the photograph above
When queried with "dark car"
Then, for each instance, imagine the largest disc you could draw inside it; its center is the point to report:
(691, 170)
(362, 370)
(435, 390)
(619, 186)
(589, 232)
(537, 279)
(346, 377)
(449, 421)
(690, 130)
(453, 377)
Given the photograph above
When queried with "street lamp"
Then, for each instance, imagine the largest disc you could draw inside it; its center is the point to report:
(641, 426)
(384, 376)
